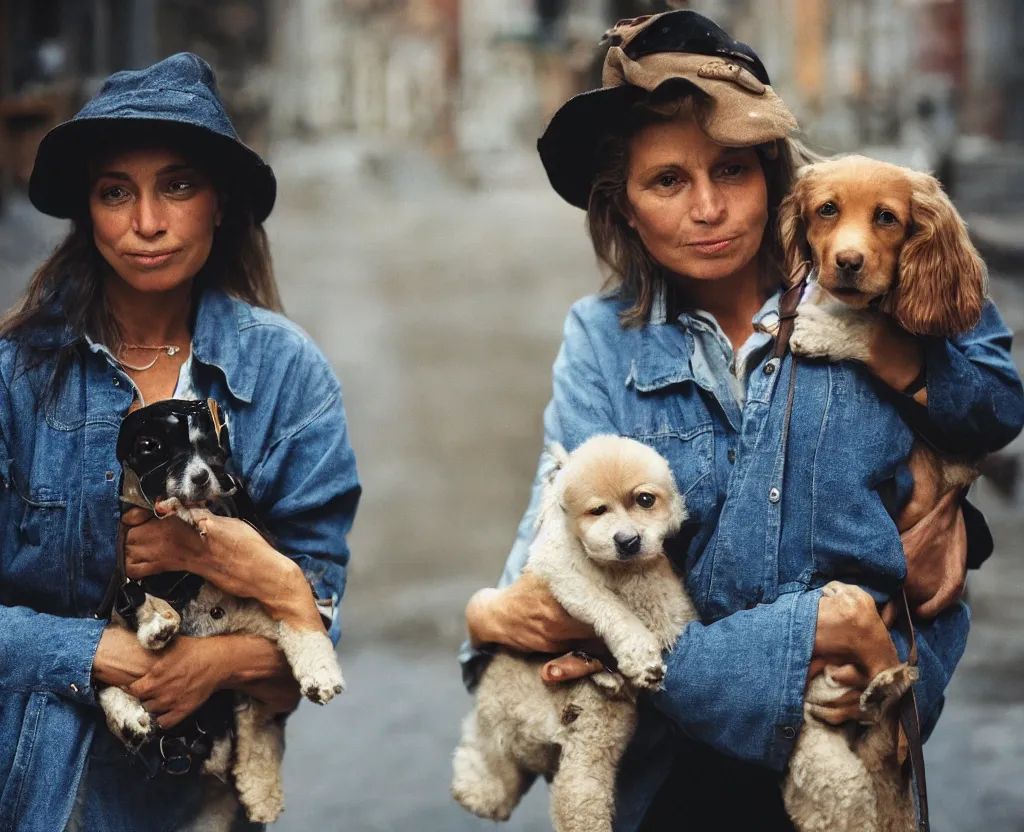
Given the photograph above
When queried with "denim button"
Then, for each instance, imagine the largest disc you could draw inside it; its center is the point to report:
(732, 454)
(117, 381)
(769, 369)
(773, 495)
(789, 732)
(110, 476)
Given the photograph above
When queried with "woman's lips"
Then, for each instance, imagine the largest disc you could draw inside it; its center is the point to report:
(712, 246)
(150, 260)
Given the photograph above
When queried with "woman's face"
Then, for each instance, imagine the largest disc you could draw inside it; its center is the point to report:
(153, 216)
(699, 208)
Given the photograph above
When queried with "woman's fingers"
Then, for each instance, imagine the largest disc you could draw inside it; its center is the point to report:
(136, 517)
(571, 666)
(850, 676)
(836, 714)
(890, 612)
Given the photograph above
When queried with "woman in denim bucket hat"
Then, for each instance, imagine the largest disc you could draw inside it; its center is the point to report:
(681, 161)
(163, 288)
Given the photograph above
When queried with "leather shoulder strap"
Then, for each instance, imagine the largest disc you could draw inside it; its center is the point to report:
(908, 716)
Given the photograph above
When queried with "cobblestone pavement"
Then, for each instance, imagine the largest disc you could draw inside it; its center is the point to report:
(440, 307)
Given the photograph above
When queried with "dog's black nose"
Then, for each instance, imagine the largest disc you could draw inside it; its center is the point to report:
(200, 477)
(627, 543)
(850, 261)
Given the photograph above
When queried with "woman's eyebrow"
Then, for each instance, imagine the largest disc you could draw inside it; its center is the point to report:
(114, 174)
(175, 168)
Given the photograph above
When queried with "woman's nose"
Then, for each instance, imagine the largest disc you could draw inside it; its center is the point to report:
(707, 207)
(149, 219)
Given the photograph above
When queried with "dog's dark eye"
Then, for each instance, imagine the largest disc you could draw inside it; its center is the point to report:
(147, 445)
(598, 511)
(886, 218)
(645, 500)
(829, 209)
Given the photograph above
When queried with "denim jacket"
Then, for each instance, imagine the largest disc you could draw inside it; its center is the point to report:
(769, 523)
(59, 517)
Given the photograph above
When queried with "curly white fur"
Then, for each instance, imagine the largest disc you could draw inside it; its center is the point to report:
(575, 734)
(254, 760)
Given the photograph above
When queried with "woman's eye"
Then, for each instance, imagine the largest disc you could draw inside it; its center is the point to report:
(114, 194)
(667, 180)
(645, 500)
(886, 218)
(180, 186)
(732, 171)
(829, 209)
(598, 510)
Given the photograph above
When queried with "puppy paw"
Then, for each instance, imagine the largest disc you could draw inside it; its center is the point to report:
(263, 802)
(126, 718)
(158, 623)
(886, 689)
(642, 664)
(610, 684)
(823, 332)
(322, 684)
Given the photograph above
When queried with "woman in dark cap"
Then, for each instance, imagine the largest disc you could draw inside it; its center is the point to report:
(681, 161)
(163, 288)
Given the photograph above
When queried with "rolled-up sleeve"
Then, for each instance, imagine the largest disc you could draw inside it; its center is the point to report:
(738, 684)
(975, 399)
(307, 488)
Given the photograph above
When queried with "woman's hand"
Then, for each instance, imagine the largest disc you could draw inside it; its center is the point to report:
(186, 673)
(853, 637)
(229, 553)
(936, 553)
(120, 660)
(154, 545)
(524, 616)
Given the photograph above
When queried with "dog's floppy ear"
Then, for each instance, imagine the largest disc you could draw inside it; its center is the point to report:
(941, 287)
(792, 228)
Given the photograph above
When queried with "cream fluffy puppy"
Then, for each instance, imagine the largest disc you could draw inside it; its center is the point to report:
(600, 547)
(606, 512)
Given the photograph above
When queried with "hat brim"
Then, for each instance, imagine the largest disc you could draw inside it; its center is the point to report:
(568, 148)
(59, 183)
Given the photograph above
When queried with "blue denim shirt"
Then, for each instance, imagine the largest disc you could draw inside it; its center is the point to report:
(59, 517)
(766, 529)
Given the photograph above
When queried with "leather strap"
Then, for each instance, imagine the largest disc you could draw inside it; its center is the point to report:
(910, 721)
(908, 715)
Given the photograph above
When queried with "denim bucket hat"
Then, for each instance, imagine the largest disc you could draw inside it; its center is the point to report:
(175, 99)
(663, 55)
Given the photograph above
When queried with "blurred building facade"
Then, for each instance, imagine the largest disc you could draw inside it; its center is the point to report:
(482, 76)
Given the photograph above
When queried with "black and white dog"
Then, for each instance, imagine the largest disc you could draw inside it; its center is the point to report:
(177, 451)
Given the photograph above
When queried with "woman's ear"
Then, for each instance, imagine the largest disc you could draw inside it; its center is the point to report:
(792, 229)
(941, 288)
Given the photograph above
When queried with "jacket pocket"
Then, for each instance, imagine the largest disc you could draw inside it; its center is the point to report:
(15, 785)
(35, 563)
(690, 453)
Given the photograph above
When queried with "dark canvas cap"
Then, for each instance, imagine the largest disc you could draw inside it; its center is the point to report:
(682, 49)
(177, 97)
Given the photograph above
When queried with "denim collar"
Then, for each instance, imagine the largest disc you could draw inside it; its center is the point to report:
(665, 351)
(217, 341)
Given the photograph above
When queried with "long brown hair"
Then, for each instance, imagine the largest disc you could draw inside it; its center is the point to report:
(618, 246)
(66, 293)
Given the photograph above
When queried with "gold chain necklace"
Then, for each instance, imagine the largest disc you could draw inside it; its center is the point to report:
(169, 349)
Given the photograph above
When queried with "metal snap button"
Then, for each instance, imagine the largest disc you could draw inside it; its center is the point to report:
(110, 476)
(769, 369)
(773, 495)
(789, 732)
(732, 454)
(117, 381)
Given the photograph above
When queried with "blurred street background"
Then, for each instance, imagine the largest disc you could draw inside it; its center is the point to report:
(416, 239)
